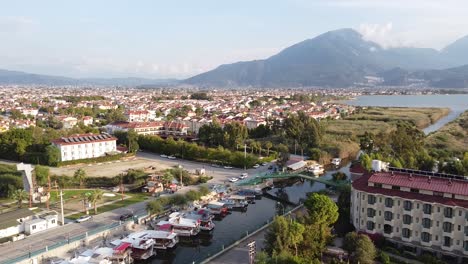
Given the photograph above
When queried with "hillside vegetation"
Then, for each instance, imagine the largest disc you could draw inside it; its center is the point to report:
(451, 139)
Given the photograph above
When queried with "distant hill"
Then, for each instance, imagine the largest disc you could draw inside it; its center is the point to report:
(17, 77)
(337, 58)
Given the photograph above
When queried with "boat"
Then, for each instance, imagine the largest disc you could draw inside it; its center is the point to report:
(336, 161)
(183, 226)
(234, 202)
(217, 208)
(250, 195)
(141, 245)
(164, 240)
(204, 217)
(316, 169)
(101, 255)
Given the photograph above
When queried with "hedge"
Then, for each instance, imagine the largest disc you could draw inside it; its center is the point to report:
(94, 160)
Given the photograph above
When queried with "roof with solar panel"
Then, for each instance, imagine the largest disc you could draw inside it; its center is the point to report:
(84, 139)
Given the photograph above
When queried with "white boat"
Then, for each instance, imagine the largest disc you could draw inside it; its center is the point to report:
(183, 226)
(203, 217)
(235, 202)
(316, 169)
(142, 246)
(217, 208)
(336, 161)
(101, 255)
(163, 239)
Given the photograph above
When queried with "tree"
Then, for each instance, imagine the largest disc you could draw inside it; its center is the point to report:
(268, 146)
(154, 207)
(321, 209)
(95, 197)
(295, 234)
(86, 198)
(16, 114)
(52, 155)
(80, 176)
(193, 195)
(19, 196)
(132, 141)
(365, 250)
(366, 161)
(42, 174)
(339, 176)
(283, 154)
(167, 178)
(276, 237)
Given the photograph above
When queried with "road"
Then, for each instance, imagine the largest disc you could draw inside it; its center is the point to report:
(61, 233)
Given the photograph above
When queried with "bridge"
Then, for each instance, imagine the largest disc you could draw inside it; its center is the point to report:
(261, 177)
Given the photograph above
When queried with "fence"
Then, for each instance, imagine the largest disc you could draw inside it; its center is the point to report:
(64, 242)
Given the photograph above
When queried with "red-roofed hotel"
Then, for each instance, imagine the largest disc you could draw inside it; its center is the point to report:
(85, 146)
(419, 211)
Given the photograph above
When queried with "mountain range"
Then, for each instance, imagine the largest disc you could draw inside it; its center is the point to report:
(343, 58)
(339, 58)
(17, 77)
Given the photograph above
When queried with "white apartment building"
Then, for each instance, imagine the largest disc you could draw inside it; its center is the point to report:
(167, 128)
(421, 213)
(85, 146)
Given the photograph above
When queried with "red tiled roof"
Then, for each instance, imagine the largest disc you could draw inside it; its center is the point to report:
(434, 184)
(361, 184)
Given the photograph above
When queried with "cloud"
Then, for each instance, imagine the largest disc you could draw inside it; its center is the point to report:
(384, 35)
(15, 24)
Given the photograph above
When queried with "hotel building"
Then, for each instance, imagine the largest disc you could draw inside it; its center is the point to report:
(85, 146)
(420, 212)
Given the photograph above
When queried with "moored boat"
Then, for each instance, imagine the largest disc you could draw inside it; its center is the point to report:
(163, 239)
(141, 245)
(217, 208)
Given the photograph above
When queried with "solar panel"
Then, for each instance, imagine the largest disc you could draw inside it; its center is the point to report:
(66, 140)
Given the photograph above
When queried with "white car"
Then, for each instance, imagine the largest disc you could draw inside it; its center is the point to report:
(83, 218)
(264, 164)
(227, 167)
(163, 156)
(256, 166)
(233, 179)
(243, 176)
(171, 157)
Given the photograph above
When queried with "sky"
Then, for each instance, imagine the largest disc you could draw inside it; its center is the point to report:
(179, 39)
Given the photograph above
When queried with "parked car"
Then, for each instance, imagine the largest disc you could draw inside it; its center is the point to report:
(171, 157)
(256, 166)
(243, 176)
(163, 156)
(264, 164)
(125, 217)
(233, 179)
(83, 218)
(215, 165)
(227, 167)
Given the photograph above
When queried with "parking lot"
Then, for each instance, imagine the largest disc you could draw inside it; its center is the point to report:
(144, 160)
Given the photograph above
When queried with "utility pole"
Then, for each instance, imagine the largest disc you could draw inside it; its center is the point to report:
(252, 252)
(48, 191)
(61, 207)
(245, 156)
(121, 186)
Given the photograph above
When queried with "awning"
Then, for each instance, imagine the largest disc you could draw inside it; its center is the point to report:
(122, 246)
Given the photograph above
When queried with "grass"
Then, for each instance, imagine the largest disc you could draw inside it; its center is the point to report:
(134, 198)
(451, 138)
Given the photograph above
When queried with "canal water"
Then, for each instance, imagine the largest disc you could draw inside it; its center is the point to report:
(236, 225)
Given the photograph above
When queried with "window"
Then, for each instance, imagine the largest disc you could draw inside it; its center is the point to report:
(371, 199)
(370, 225)
(388, 216)
(407, 205)
(388, 202)
(440, 194)
(363, 197)
(33, 227)
(396, 188)
(407, 219)
(448, 212)
(427, 208)
(466, 230)
(447, 227)
(53, 221)
(405, 232)
(426, 237)
(388, 229)
(377, 185)
(414, 190)
(447, 241)
(370, 212)
(426, 223)
(465, 245)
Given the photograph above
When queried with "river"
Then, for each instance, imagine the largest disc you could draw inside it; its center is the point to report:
(235, 225)
(458, 103)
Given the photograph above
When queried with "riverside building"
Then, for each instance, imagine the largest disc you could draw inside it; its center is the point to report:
(86, 146)
(423, 212)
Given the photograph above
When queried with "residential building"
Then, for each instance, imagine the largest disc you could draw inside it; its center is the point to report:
(423, 212)
(26, 221)
(168, 128)
(86, 146)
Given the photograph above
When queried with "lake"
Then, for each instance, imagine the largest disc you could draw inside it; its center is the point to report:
(458, 103)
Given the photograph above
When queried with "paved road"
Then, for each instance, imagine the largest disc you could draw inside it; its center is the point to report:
(58, 234)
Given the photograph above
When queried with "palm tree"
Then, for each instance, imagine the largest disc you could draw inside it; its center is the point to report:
(80, 176)
(20, 195)
(95, 197)
(268, 146)
(85, 197)
(167, 178)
